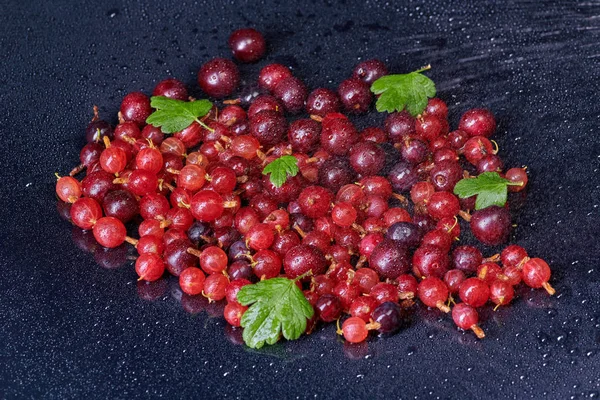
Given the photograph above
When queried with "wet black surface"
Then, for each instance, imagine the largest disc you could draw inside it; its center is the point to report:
(72, 328)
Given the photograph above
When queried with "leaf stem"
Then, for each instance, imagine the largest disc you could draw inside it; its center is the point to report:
(422, 69)
(304, 275)
(202, 124)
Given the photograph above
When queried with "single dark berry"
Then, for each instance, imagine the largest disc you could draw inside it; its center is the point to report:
(491, 225)
(304, 135)
(269, 127)
(369, 71)
(136, 107)
(271, 75)
(399, 126)
(322, 101)
(388, 317)
(355, 95)
(218, 77)
(478, 122)
(247, 45)
(390, 259)
(301, 259)
(367, 158)
(292, 93)
(405, 233)
(171, 88)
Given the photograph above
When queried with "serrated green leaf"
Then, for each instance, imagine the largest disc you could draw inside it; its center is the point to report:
(397, 92)
(280, 169)
(277, 307)
(489, 187)
(175, 115)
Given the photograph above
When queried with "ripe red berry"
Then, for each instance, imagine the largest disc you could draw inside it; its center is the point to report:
(355, 330)
(536, 274)
(150, 267)
(474, 291)
(191, 281)
(466, 317)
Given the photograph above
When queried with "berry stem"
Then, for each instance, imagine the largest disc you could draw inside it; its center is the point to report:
(548, 288)
(478, 331)
(442, 307)
(194, 252)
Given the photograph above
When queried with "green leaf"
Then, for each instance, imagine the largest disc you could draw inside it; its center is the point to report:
(280, 169)
(277, 307)
(491, 189)
(397, 92)
(175, 115)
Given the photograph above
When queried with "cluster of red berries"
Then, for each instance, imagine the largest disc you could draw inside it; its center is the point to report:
(208, 215)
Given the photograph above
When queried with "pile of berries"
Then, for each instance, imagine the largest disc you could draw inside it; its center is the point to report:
(371, 215)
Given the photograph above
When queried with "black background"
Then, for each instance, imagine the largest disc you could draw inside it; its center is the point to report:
(70, 328)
